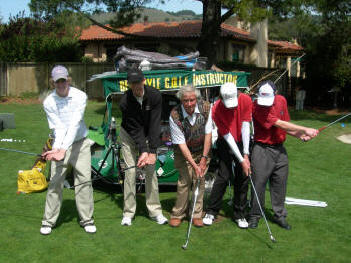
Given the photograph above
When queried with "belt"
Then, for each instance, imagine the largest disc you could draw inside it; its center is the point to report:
(269, 145)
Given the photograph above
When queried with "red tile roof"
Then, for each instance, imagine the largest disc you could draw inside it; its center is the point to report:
(285, 46)
(183, 29)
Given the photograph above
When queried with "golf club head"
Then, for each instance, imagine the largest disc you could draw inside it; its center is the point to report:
(184, 247)
(273, 239)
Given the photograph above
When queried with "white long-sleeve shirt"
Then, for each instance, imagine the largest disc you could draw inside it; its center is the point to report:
(65, 117)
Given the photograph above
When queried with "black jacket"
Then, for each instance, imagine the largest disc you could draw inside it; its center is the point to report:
(143, 123)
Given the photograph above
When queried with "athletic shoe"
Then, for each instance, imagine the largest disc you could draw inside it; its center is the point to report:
(45, 230)
(160, 219)
(208, 219)
(126, 221)
(90, 228)
(242, 223)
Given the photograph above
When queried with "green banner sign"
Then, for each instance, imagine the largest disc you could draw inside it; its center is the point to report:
(165, 80)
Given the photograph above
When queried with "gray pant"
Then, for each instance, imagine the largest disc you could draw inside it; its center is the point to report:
(269, 163)
(79, 157)
(129, 153)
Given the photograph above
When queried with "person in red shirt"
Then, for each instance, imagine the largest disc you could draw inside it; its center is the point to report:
(232, 116)
(269, 160)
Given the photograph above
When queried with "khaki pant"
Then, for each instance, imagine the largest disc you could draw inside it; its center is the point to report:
(79, 157)
(186, 183)
(129, 153)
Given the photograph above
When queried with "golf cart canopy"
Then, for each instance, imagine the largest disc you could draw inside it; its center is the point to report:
(172, 80)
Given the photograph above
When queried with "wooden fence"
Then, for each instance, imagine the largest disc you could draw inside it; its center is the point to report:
(18, 79)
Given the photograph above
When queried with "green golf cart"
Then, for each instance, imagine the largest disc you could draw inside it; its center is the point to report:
(106, 162)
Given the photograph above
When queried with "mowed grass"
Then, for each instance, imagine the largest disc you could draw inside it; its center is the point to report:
(319, 170)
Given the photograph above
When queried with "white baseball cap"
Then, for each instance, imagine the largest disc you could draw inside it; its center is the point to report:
(265, 95)
(229, 94)
(59, 72)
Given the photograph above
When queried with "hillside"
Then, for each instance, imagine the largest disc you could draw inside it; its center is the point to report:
(153, 15)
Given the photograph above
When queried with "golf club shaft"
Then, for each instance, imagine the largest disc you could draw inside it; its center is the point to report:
(18, 151)
(192, 213)
(330, 124)
(99, 178)
(259, 205)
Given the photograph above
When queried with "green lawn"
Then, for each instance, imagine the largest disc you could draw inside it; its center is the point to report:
(319, 170)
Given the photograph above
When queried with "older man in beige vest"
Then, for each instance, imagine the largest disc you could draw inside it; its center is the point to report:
(191, 128)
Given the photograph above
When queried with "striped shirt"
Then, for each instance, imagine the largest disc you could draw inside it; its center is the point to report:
(65, 117)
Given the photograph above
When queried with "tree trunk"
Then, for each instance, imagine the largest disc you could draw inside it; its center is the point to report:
(211, 30)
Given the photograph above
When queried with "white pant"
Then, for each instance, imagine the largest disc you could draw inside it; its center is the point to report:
(78, 156)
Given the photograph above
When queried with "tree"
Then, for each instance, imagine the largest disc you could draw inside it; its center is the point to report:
(28, 39)
(127, 11)
(324, 29)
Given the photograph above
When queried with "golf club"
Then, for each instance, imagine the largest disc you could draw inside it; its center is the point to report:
(17, 151)
(230, 202)
(99, 177)
(330, 124)
(265, 219)
(192, 213)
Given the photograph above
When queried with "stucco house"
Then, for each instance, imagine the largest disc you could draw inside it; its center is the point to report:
(246, 46)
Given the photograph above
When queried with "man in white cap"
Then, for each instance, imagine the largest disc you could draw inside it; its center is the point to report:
(232, 116)
(269, 160)
(65, 108)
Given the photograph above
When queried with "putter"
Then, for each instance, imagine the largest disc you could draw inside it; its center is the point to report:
(264, 216)
(330, 124)
(196, 193)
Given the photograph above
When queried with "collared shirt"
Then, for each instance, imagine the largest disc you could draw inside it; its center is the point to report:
(65, 117)
(231, 120)
(177, 135)
(264, 119)
(140, 99)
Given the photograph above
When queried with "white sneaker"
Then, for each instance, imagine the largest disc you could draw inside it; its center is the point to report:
(91, 229)
(126, 221)
(160, 219)
(45, 230)
(208, 219)
(242, 223)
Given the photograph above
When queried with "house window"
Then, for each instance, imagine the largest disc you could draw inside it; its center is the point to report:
(238, 52)
(111, 52)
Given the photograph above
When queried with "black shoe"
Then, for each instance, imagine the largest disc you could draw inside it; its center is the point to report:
(282, 223)
(253, 222)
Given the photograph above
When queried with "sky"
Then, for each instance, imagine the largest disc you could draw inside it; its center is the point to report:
(13, 7)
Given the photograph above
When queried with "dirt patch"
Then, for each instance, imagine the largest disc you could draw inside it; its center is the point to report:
(11, 100)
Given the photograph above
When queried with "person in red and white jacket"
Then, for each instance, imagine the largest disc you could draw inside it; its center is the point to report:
(269, 159)
(232, 116)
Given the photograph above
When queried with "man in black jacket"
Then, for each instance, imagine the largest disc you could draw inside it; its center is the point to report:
(140, 136)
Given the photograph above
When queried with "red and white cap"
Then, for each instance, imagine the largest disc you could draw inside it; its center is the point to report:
(265, 95)
(229, 94)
